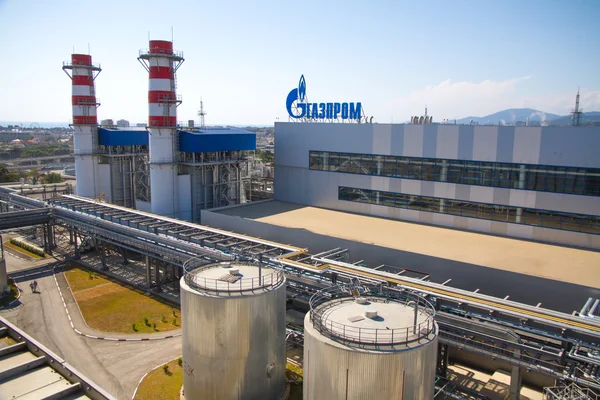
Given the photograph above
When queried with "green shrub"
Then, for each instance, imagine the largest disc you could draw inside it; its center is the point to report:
(146, 321)
(134, 327)
(180, 361)
(174, 322)
(165, 368)
(174, 314)
(163, 318)
(154, 325)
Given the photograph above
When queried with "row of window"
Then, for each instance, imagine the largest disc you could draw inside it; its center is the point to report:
(525, 216)
(571, 180)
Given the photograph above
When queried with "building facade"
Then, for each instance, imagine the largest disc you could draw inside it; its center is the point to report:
(538, 183)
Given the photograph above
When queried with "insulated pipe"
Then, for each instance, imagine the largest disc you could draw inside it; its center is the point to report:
(585, 307)
(592, 312)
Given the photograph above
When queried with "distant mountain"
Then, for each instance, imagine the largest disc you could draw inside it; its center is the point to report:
(511, 117)
(519, 116)
(592, 117)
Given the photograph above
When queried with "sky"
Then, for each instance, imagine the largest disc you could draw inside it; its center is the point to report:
(458, 58)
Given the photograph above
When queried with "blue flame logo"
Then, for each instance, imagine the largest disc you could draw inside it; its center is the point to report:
(297, 96)
(302, 88)
(298, 107)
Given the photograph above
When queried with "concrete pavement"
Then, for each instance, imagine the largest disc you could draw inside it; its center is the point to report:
(115, 366)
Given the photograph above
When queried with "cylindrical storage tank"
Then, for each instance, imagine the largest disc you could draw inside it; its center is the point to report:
(233, 327)
(369, 347)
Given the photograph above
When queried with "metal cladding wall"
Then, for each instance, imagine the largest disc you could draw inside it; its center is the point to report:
(86, 165)
(546, 146)
(228, 343)
(122, 137)
(216, 140)
(335, 371)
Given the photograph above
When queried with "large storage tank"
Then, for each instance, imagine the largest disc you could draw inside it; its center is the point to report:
(369, 347)
(233, 323)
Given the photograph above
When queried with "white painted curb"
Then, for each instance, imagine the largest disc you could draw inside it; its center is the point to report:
(142, 378)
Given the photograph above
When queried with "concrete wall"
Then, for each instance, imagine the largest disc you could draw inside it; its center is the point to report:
(296, 183)
(553, 294)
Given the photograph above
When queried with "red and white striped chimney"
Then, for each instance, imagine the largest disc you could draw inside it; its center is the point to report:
(162, 62)
(85, 122)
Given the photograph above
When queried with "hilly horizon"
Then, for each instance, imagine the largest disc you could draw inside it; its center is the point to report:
(513, 116)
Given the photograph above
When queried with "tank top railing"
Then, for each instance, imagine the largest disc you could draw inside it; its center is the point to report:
(235, 283)
(323, 302)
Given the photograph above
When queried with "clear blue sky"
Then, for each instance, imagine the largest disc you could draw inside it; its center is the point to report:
(460, 58)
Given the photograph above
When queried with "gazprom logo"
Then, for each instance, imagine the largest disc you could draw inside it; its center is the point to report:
(298, 107)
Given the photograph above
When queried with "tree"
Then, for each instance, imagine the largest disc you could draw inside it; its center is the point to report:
(6, 175)
(53, 177)
(34, 176)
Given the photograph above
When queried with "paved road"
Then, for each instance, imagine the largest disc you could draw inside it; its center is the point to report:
(115, 366)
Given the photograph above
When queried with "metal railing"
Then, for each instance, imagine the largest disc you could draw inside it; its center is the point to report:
(70, 64)
(160, 53)
(323, 301)
(192, 268)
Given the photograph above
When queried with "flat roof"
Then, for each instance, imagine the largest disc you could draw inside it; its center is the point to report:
(581, 267)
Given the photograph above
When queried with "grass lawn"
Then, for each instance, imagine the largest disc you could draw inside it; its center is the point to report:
(13, 294)
(158, 385)
(22, 250)
(113, 307)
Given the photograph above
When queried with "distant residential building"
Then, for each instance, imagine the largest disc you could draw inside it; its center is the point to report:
(123, 123)
(107, 122)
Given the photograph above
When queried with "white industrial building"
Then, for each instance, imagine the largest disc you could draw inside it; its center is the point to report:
(538, 183)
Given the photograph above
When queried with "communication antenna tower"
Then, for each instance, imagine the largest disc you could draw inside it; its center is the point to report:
(201, 113)
(577, 111)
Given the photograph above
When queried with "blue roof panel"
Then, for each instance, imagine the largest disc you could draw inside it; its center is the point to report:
(209, 140)
(122, 137)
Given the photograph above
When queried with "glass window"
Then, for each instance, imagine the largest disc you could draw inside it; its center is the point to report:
(590, 224)
(343, 193)
(452, 207)
(344, 162)
(502, 176)
(315, 160)
(430, 170)
(547, 219)
(556, 179)
(364, 163)
(469, 209)
(403, 167)
(334, 162)
(551, 220)
(389, 166)
(471, 173)
(455, 171)
(388, 199)
(402, 200)
(377, 165)
(486, 173)
(592, 182)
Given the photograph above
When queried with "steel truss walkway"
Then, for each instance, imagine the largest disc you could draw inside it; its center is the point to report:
(167, 236)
